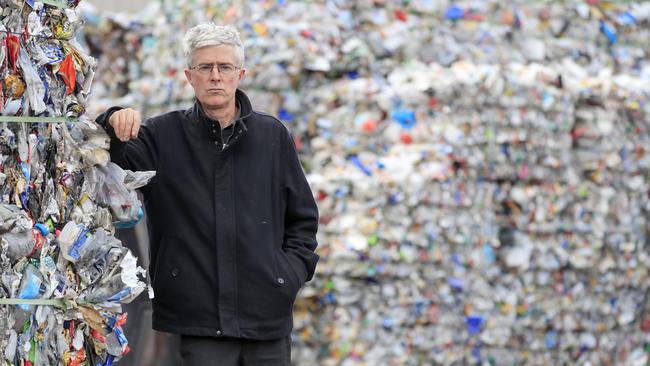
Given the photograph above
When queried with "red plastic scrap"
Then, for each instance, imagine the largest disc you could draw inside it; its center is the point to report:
(98, 336)
(78, 358)
(121, 320)
(12, 43)
(67, 72)
(401, 15)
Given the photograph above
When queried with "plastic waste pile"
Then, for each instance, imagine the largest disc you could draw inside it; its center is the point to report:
(116, 43)
(63, 275)
(481, 168)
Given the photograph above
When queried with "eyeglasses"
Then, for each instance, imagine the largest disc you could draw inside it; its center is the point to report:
(224, 69)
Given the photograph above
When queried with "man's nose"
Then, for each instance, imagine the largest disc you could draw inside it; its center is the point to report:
(215, 74)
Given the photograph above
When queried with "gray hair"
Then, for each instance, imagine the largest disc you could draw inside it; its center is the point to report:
(210, 34)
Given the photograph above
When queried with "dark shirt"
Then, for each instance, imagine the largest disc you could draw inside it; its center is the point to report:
(222, 135)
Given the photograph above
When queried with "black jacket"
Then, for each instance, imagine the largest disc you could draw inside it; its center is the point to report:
(232, 230)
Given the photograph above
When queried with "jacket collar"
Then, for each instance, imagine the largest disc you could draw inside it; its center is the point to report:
(239, 125)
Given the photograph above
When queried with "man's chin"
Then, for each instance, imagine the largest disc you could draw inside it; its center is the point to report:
(213, 103)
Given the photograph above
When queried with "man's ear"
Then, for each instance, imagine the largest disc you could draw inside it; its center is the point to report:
(188, 76)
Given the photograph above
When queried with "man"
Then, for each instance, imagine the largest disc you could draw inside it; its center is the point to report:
(231, 218)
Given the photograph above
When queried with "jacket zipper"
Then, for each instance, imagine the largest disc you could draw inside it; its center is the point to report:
(234, 222)
(224, 144)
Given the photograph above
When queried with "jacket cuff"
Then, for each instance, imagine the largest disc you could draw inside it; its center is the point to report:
(306, 267)
(103, 119)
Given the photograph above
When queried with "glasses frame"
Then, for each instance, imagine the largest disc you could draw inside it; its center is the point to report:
(227, 73)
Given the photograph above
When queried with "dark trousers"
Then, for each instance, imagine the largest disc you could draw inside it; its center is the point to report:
(208, 351)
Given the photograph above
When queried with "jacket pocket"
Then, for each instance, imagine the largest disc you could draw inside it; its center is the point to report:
(157, 263)
(285, 272)
(162, 270)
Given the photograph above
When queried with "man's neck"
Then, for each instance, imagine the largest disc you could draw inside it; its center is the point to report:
(224, 116)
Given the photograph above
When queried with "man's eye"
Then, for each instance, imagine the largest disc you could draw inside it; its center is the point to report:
(226, 68)
(205, 68)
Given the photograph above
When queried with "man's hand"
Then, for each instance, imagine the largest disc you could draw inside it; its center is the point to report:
(126, 123)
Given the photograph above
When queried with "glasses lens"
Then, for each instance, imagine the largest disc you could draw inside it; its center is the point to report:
(205, 69)
(226, 69)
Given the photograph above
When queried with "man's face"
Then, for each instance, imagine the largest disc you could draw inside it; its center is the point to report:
(215, 89)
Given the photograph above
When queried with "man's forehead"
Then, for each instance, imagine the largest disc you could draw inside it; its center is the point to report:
(224, 50)
(215, 54)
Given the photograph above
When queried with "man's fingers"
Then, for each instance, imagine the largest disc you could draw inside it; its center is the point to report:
(126, 126)
(117, 121)
(135, 128)
(121, 126)
(126, 123)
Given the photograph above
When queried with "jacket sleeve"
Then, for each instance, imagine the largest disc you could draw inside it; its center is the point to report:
(301, 214)
(136, 154)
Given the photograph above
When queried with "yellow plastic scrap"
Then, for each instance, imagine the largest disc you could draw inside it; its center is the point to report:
(14, 86)
(596, 13)
(634, 105)
(62, 29)
(609, 5)
(93, 318)
(260, 29)
(20, 188)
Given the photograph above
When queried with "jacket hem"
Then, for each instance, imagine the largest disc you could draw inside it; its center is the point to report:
(247, 333)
